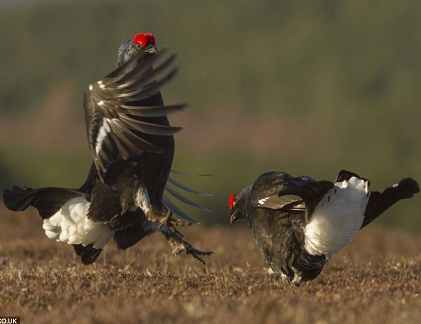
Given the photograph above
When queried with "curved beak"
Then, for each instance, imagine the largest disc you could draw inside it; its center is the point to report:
(233, 218)
(151, 49)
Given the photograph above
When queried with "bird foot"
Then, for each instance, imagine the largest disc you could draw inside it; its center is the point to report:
(189, 249)
(175, 238)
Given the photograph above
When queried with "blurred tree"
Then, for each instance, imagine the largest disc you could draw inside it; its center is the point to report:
(309, 87)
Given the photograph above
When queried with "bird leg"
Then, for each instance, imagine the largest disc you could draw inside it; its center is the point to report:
(178, 222)
(175, 239)
(162, 218)
(167, 220)
(121, 221)
(152, 214)
(278, 275)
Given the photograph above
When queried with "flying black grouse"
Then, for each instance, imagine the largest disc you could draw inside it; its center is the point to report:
(132, 147)
(300, 223)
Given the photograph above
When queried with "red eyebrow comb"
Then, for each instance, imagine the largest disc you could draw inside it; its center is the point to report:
(231, 201)
(144, 39)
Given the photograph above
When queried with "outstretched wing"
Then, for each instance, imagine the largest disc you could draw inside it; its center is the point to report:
(281, 191)
(46, 200)
(118, 124)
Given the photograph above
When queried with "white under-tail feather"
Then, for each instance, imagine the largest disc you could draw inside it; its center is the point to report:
(337, 217)
(72, 226)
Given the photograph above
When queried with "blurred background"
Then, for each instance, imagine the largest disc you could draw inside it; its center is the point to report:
(307, 87)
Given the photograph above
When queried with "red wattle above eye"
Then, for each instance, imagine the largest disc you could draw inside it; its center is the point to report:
(144, 39)
(231, 201)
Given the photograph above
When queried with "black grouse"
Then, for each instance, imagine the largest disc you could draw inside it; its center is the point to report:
(132, 147)
(300, 223)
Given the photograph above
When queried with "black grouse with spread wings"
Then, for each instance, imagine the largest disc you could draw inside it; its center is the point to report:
(132, 146)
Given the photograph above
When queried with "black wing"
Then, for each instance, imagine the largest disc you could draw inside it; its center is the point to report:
(114, 126)
(281, 191)
(47, 200)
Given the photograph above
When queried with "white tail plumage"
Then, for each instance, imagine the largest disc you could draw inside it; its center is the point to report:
(72, 226)
(337, 217)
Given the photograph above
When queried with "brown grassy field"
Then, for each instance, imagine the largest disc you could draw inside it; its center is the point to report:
(375, 280)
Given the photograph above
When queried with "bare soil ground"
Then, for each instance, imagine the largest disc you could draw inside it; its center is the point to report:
(375, 280)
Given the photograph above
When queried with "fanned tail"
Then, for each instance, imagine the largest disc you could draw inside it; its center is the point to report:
(171, 187)
(189, 174)
(380, 202)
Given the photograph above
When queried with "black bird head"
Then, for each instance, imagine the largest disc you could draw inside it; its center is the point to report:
(141, 43)
(238, 203)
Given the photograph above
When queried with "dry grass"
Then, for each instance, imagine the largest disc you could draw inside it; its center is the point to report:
(376, 279)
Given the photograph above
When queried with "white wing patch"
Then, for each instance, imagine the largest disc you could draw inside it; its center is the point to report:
(102, 134)
(337, 217)
(262, 201)
(72, 226)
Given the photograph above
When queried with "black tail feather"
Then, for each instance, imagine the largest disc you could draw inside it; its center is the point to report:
(47, 200)
(380, 202)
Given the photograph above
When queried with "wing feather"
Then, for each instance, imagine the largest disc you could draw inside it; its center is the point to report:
(148, 128)
(281, 191)
(153, 111)
(119, 126)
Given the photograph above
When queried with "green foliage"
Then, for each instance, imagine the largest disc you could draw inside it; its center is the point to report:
(350, 70)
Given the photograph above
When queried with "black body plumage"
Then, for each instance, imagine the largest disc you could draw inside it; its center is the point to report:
(281, 210)
(132, 147)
